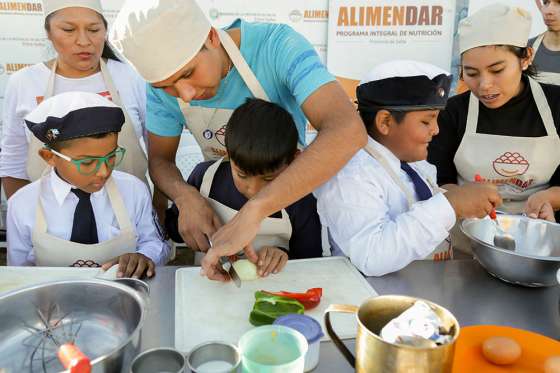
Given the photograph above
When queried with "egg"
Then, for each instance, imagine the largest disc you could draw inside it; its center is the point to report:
(552, 364)
(501, 350)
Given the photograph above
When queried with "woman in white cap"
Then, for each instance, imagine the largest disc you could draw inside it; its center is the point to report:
(199, 75)
(84, 62)
(505, 128)
(547, 44)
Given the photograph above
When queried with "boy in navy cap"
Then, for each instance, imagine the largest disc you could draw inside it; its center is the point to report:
(80, 212)
(384, 209)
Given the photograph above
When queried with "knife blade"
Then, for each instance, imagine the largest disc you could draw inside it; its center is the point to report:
(231, 271)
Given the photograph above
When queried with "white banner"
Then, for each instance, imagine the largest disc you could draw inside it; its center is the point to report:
(364, 33)
(309, 17)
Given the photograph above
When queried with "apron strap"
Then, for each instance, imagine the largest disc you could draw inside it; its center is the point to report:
(376, 155)
(208, 178)
(119, 209)
(242, 67)
(537, 42)
(472, 115)
(543, 107)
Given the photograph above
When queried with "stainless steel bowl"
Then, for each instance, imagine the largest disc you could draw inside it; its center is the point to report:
(102, 318)
(536, 258)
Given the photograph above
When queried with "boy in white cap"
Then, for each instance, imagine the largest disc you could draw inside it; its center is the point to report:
(80, 212)
(384, 209)
(199, 75)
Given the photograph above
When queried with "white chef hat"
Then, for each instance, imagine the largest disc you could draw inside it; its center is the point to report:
(51, 6)
(159, 37)
(496, 24)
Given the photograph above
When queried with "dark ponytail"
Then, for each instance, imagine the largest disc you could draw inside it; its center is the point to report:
(107, 52)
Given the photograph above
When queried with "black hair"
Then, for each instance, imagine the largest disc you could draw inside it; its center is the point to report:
(58, 145)
(520, 53)
(107, 51)
(368, 117)
(261, 137)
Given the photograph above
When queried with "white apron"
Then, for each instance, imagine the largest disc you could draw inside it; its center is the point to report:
(134, 162)
(443, 251)
(545, 76)
(274, 232)
(52, 251)
(208, 125)
(520, 166)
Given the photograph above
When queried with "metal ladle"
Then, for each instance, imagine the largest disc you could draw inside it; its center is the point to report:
(502, 239)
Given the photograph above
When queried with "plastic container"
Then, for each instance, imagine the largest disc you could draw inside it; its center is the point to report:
(311, 330)
(273, 349)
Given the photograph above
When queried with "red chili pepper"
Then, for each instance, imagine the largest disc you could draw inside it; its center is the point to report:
(310, 299)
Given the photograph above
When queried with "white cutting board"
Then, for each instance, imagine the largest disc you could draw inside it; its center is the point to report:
(209, 310)
(13, 277)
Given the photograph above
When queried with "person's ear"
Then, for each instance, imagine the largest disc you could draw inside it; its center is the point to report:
(383, 122)
(213, 39)
(297, 153)
(47, 156)
(527, 61)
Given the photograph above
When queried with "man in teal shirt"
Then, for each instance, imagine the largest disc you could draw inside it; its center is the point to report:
(198, 75)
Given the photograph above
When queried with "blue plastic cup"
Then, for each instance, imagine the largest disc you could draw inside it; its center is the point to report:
(273, 349)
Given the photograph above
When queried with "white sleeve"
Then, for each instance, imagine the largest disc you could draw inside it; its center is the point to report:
(151, 241)
(20, 247)
(359, 222)
(13, 157)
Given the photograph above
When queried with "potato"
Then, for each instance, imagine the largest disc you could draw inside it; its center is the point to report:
(246, 270)
(501, 350)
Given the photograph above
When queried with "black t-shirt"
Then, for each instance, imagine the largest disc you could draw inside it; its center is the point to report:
(305, 241)
(518, 117)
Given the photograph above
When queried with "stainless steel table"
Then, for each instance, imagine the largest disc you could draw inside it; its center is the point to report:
(461, 286)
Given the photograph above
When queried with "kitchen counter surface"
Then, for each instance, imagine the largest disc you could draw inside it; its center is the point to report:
(461, 286)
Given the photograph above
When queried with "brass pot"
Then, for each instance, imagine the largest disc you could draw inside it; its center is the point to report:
(373, 354)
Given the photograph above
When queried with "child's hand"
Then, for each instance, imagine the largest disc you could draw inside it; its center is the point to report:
(271, 260)
(132, 265)
(538, 207)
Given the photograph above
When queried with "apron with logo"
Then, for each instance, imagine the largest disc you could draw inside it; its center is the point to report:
(134, 162)
(208, 125)
(545, 76)
(52, 251)
(443, 251)
(519, 166)
(274, 232)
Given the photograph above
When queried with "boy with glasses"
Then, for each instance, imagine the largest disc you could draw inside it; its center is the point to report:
(80, 212)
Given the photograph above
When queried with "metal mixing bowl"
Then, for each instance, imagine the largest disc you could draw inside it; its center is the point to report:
(102, 318)
(536, 258)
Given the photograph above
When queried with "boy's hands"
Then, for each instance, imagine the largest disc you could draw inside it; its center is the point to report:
(473, 200)
(271, 260)
(132, 265)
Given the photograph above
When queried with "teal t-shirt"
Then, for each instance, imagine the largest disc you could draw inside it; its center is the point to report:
(284, 62)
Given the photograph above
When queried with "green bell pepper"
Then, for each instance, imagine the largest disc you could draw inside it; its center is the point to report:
(268, 307)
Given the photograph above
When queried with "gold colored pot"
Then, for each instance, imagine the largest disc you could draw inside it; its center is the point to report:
(375, 355)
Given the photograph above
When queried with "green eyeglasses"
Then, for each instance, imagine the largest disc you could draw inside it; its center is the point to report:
(90, 165)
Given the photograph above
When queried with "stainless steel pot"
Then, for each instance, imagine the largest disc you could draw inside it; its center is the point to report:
(102, 318)
(536, 257)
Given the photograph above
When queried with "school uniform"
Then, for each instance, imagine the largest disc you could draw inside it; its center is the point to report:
(52, 223)
(381, 212)
(296, 229)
